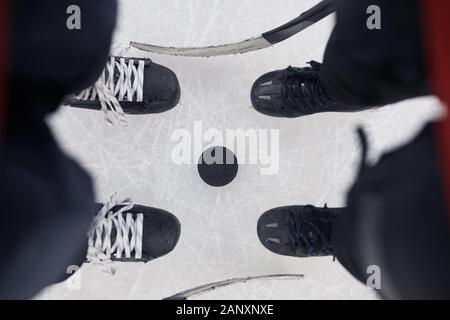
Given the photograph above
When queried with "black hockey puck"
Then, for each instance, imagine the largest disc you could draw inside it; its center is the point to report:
(218, 166)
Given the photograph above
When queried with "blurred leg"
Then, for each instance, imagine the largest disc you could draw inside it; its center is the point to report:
(47, 199)
(47, 204)
(4, 6)
(368, 68)
(49, 60)
(397, 221)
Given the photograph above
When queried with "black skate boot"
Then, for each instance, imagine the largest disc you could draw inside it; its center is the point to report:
(132, 86)
(298, 231)
(293, 93)
(130, 233)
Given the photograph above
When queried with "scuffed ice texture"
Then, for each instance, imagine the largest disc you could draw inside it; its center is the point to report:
(319, 155)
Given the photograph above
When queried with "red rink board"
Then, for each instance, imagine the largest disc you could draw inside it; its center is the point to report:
(437, 35)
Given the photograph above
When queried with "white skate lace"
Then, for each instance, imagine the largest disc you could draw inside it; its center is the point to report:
(110, 92)
(128, 238)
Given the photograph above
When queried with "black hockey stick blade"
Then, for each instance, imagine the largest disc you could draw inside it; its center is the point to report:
(185, 295)
(267, 39)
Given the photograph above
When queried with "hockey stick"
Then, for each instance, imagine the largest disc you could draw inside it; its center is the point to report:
(213, 286)
(267, 39)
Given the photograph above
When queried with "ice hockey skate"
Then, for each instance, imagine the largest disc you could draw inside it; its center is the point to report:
(126, 232)
(292, 93)
(130, 86)
(298, 231)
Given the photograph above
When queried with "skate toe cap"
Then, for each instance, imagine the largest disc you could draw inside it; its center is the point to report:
(161, 89)
(266, 94)
(161, 232)
(273, 231)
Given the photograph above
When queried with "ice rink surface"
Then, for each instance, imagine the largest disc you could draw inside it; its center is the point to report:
(318, 156)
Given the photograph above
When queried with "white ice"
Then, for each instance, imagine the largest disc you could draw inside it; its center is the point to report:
(318, 156)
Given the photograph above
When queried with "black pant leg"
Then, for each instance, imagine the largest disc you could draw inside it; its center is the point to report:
(47, 208)
(48, 60)
(397, 222)
(344, 243)
(367, 68)
(47, 198)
